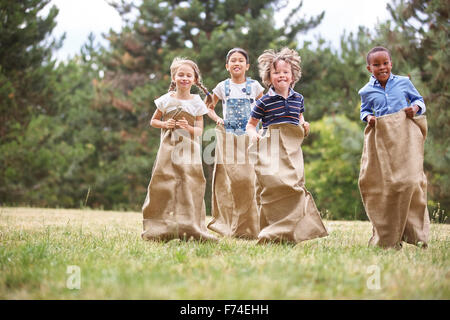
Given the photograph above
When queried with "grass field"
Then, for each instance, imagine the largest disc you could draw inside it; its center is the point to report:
(88, 254)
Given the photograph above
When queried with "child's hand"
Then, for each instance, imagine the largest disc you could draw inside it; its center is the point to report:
(371, 120)
(254, 136)
(169, 124)
(219, 121)
(306, 127)
(411, 111)
(182, 123)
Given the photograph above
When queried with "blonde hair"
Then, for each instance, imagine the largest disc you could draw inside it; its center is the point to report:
(269, 59)
(176, 64)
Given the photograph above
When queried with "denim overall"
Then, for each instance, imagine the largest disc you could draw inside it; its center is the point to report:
(238, 110)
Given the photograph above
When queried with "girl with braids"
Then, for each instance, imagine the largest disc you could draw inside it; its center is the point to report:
(174, 206)
(287, 210)
(233, 187)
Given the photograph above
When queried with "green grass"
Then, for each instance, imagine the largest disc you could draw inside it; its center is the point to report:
(38, 245)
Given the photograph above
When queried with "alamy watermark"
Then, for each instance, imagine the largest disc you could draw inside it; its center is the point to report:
(374, 280)
(74, 277)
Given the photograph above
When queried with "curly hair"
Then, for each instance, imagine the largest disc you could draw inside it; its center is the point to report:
(270, 58)
(176, 64)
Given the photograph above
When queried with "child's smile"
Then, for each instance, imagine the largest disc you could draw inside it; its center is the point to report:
(281, 76)
(237, 65)
(184, 77)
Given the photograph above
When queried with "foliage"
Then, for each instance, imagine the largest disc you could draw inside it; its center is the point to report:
(26, 65)
(330, 80)
(332, 155)
(200, 30)
(26, 89)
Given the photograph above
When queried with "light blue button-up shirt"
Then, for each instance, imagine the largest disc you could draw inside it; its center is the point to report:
(398, 94)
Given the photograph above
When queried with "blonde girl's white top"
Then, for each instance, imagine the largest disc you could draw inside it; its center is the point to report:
(194, 106)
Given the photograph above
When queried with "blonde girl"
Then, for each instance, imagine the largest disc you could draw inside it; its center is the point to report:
(174, 206)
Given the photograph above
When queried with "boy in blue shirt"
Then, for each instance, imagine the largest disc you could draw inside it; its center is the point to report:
(392, 181)
(386, 93)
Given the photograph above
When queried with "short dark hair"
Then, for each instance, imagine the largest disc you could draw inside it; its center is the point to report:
(377, 49)
(240, 50)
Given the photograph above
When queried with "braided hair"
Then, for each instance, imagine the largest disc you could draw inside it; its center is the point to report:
(177, 63)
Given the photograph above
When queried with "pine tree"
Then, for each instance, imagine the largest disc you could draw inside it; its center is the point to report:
(25, 62)
(26, 89)
(201, 30)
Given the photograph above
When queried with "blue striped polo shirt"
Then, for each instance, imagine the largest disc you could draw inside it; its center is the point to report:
(273, 108)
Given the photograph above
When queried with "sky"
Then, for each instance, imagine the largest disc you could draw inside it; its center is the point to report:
(78, 18)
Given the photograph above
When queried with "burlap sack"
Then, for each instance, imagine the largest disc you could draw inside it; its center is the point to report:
(233, 188)
(174, 206)
(392, 182)
(287, 209)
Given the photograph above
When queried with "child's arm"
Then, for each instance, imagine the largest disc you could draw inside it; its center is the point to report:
(195, 130)
(156, 122)
(304, 124)
(411, 111)
(371, 120)
(211, 113)
(256, 115)
(251, 129)
(417, 102)
(366, 113)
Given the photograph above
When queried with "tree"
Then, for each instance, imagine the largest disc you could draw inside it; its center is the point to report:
(25, 62)
(201, 30)
(331, 80)
(26, 89)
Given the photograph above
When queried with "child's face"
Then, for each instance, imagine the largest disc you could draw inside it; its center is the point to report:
(281, 76)
(184, 77)
(237, 65)
(380, 65)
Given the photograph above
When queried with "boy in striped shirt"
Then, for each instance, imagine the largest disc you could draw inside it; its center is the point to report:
(287, 211)
(281, 104)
